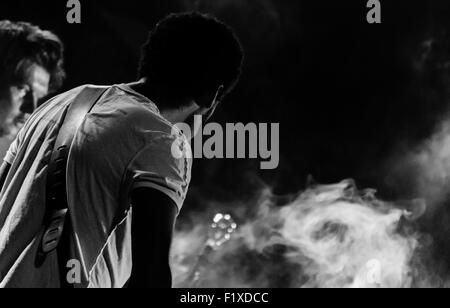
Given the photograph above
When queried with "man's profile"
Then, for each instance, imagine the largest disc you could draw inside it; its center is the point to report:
(31, 67)
(124, 186)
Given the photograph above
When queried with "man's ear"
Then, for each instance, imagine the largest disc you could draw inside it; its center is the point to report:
(216, 101)
(214, 98)
(219, 94)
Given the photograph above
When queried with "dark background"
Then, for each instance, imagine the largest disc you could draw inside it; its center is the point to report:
(347, 94)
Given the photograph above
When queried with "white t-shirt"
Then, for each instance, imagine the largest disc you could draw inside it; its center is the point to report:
(122, 144)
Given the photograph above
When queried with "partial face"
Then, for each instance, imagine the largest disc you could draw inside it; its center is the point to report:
(205, 112)
(208, 112)
(18, 101)
(25, 97)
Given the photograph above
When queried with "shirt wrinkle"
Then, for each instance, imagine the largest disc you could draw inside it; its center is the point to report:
(123, 141)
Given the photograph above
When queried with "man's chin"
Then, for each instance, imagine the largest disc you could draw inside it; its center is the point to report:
(13, 124)
(21, 118)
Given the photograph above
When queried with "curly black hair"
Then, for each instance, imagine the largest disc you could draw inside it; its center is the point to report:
(22, 45)
(192, 54)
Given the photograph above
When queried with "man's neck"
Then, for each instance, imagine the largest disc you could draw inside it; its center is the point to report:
(173, 115)
(141, 88)
(180, 115)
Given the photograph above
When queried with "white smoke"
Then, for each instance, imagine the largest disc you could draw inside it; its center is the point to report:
(429, 165)
(329, 236)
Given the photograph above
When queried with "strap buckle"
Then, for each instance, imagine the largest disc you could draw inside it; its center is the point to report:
(53, 232)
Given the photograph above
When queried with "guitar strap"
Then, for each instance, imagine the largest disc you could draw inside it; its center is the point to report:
(56, 236)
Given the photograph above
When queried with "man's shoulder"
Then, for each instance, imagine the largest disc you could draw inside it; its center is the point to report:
(139, 110)
(119, 101)
(62, 99)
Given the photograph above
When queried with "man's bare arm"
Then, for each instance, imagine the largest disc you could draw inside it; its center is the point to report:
(154, 215)
(4, 170)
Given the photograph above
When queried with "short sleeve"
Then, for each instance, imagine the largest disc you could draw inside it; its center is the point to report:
(13, 148)
(165, 165)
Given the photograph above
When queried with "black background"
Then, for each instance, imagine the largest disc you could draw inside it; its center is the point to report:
(346, 94)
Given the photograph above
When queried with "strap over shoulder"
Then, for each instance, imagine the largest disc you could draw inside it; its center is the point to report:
(56, 191)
